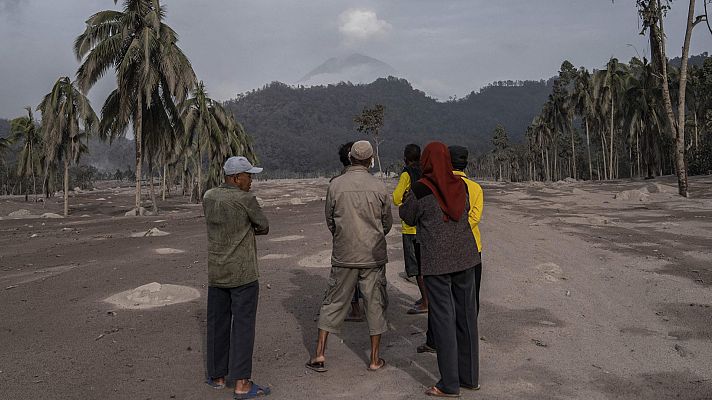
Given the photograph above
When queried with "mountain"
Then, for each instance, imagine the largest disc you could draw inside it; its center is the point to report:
(355, 68)
(299, 129)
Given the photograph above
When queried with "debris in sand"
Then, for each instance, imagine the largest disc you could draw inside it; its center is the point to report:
(539, 343)
(287, 238)
(632, 195)
(552, 272)
(19, 213)
(10, 287)
(657, 188)
(275, 256)
(50, 215)
(150, 232)
(34, 235)
(168, 250)
(138, 212)
(683, 352)
(321, 259)
(153, 295)
(100, 199)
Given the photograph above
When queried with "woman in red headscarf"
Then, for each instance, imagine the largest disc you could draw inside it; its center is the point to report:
(437, 205)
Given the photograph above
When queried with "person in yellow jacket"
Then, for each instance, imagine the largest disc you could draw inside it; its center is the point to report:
(411, 249)
(458, 156)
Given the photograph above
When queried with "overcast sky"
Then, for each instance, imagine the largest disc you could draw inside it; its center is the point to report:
(444, 47)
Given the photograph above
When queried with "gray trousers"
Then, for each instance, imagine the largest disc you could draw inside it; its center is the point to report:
(452, 320)
(231, 330)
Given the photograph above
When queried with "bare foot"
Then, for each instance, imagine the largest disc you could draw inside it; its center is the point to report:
(378, 365)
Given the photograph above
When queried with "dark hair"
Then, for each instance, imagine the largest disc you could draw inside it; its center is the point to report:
(344, 153)
(411, 153)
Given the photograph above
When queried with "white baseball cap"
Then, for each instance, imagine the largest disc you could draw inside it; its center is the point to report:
(236, 165)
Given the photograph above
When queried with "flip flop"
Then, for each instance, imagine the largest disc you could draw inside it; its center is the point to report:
(424, 348)
(317, 366)
(255, 391)
(435, 392)
(210, 382)
(468, 387)
(417, 310)
(383, 364)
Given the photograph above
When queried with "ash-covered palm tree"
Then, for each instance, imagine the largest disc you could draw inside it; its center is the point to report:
(150, 68)
(209, 127)
(643, 113)
(609, 87)
(29, 164)
(583, 104)
(67, 118)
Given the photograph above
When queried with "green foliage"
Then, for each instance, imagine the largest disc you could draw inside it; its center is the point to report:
(299, 129)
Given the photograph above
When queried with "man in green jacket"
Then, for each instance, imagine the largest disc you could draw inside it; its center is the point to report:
(233, 217)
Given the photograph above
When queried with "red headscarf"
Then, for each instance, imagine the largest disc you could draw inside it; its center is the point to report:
(448, 189)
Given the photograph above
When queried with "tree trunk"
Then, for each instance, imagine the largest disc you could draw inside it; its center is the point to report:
(657, 44)
(200, 174)
(378, 157)
(604, 156)
(680, 162)
(139, 156)
(588, 148)
(697, 135)
(151, 189)
(573, 151)
(66, 185)
(610, 169)
(163, 181)
(637, 150)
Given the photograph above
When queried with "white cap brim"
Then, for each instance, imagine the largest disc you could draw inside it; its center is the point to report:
(254, 170)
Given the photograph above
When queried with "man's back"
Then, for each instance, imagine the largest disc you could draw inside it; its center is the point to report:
(233, 217)
(358, 213)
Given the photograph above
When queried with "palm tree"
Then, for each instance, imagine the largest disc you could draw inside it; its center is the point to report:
(67, 116)
(643, 112)
(29, 163)
(611, 82)
(209, 126)
(584, 106)
(149, 66)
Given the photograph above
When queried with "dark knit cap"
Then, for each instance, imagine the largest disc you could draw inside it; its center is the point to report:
(458, 155)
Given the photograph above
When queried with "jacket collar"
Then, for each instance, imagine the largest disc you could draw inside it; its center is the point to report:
(356, 168)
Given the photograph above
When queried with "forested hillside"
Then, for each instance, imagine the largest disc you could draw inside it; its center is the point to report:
(299, 129)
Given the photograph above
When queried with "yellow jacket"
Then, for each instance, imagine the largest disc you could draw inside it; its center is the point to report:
(476, 204)
(398, 193)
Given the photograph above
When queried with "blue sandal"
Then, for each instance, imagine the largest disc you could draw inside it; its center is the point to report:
(255, 391)
(210, 382)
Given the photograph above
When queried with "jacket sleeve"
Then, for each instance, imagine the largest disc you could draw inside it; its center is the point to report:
(408, 211)
(386, 214)
(257, 217)
(329, 210)
(401, 189)
(476, 203)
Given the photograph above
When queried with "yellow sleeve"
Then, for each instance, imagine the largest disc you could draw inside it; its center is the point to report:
(400, 190)
(476, 203)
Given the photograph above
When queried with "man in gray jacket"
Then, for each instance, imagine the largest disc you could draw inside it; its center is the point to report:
(358, 214)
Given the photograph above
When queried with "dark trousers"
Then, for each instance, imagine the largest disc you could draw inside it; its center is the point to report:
(478, 280)
(452, 319)
(231, 330)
